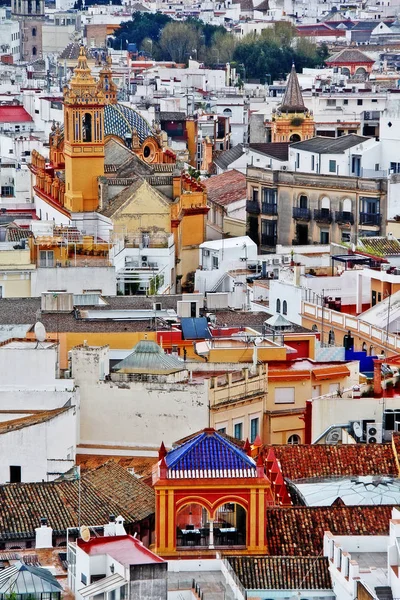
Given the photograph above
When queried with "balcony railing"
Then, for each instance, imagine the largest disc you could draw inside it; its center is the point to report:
(370, 218)
(344, 217)
(253, 207)
(268, 240)
(322, 215)
(269, 209)
(302, 214)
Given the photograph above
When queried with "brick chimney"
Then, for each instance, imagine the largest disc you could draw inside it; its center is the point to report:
(377, 377)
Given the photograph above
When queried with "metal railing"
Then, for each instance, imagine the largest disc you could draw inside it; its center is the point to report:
(269, 209)
(304, 214)
(370, 218)
(253, 207)
(322, 215)
(344, 217)
(268, 240)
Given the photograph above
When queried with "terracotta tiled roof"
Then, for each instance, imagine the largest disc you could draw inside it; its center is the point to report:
(40, 417)
(299, 531)
(226, 188)
(142, 465)
(108, 490)
(307, 461)
(282, 572)
(119, 486)
(382, 245)
(349, 55)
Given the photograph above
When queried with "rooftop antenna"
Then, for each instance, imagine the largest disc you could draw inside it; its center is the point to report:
(40, 333)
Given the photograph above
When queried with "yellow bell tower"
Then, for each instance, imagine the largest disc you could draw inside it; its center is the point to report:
(84, 138)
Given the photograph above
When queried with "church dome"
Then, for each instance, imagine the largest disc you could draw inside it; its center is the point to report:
(122, 121)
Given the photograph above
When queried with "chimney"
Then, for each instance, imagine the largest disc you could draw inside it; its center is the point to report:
(119, 527)
(377, 377)
(109, 529)
(43, 535)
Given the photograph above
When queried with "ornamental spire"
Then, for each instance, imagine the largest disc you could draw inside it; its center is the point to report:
(293, 98)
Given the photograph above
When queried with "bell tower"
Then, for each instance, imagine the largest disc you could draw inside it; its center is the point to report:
(84, 138)
(292, 121)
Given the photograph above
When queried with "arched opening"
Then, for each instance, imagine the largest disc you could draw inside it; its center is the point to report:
(325, 207)
(331, 338)
(278, 306)
(34, 51)
(371, 350)
(361, 73)
(314, 327)
(194, 527)
(294, 439)
(294, 138)
(284, 307)
(87, 127)
(303, 201)
(33, 31)
(227, 112)
(364, 347)
(346, 206)
(346, 71)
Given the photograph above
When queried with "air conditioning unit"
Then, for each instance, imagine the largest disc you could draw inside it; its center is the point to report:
(374, 433)
(286, 260)
(144, 258)
(334, 436)
(283, 168)
(275, 261)
(144, 264)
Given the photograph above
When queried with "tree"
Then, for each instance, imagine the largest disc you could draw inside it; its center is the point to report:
(143, 26)
(179, 41)
(222, 48)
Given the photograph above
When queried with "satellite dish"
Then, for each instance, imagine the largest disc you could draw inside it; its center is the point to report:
(357, 429)
(40, 332)
(85, 533)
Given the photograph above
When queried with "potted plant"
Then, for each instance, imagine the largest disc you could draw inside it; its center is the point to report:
(389, 389)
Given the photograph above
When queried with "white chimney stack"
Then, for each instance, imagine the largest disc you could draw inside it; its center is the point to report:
(119, 527)
(43, 535)
(109, 529)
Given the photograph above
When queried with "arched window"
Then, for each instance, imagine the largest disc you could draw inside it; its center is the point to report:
(331, 338)
(314, 327)
(33, 31)
(294, 138)
(346, 205)
(294, 439)
(87, 127)
(303, 201)
(227, 112)
(34, 51)
(284, 307)
(325, 203)
(364, 347)
(278, 306)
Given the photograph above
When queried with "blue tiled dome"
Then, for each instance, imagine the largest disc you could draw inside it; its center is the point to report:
(120, 120)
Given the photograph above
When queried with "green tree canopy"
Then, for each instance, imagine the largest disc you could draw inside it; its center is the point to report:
(143, 26)
(179, 41)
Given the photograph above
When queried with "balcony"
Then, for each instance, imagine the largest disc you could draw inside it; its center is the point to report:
(253, 207)
(269, 209)
(344, 218)
(323, 215)
(268, 240)
(370, 219)
(301, 214)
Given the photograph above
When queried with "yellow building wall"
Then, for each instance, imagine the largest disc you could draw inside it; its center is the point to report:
(147, 211)
(15, 258)
(234, 227)
(279, 427)
(191, 133)
(81, 175)
(13, 286)
(245, 354)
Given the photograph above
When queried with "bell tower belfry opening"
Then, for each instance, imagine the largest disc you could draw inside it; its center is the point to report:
(84, 138)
